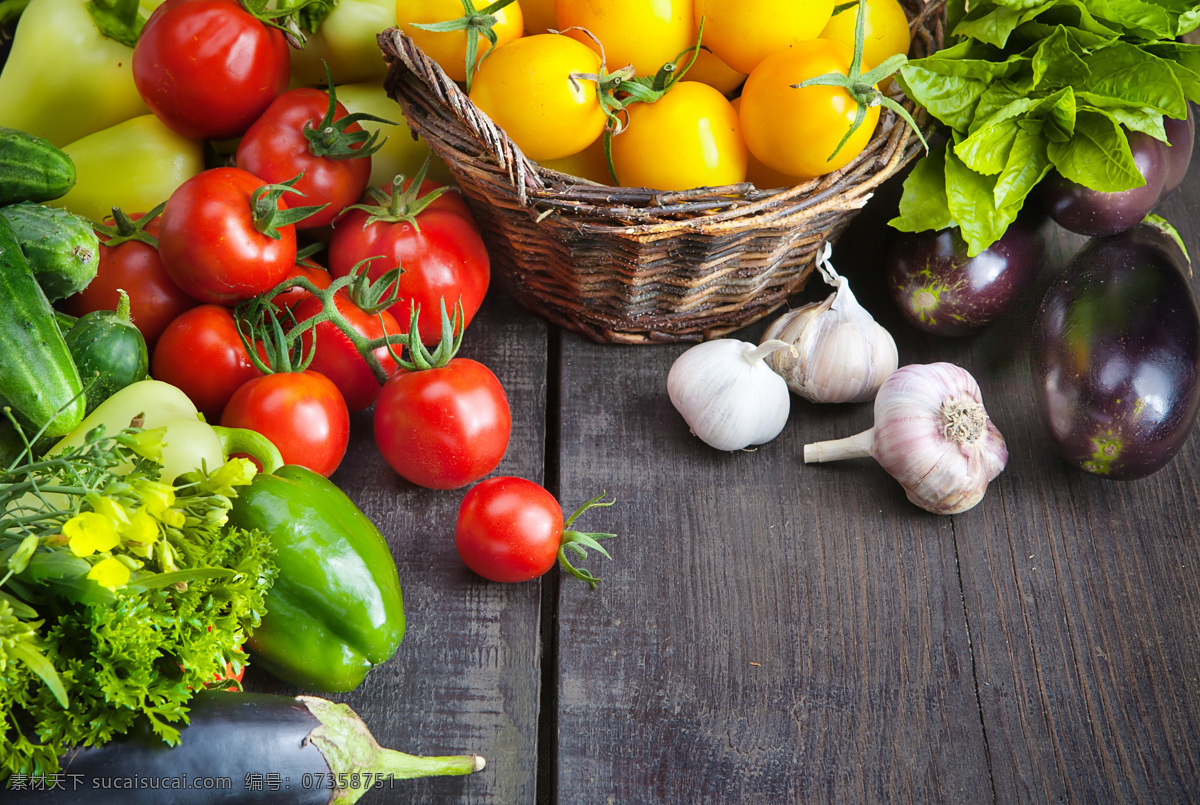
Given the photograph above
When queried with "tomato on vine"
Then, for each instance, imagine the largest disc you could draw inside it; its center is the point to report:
(209, 68)
(442, 422)
(512, 530)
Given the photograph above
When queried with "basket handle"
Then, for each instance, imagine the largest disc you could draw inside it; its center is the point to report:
(409, 68)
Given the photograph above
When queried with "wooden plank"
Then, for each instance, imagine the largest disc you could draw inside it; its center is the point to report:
(466, 677)
(766, 631)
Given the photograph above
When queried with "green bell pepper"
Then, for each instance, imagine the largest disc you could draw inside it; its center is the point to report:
(335, 610)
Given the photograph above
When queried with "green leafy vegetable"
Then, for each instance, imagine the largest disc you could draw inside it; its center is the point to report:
(1029, 86)
(120, 595)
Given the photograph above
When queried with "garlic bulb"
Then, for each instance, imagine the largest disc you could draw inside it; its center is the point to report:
(842, 354)
(931, 434)
(729, 397)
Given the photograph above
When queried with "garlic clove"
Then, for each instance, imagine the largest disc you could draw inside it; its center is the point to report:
(728, 395)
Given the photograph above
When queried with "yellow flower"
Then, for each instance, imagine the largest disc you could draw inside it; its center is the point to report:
(156, 496)
(145, 443)
(142, 528)
(110, 573)
(235, 472)
(88, 532)
(109, 509)
(173, 517)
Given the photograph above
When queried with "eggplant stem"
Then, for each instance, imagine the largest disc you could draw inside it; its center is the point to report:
(856, 446)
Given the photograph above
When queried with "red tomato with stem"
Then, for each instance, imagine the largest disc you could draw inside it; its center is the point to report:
(510, 529)
(443, 427)
(338, 358)
(318, 276)
(208, 68)
(438, 247)
(222, 240)
(201, 353)
(135, 267)
(302, 413)
(305, 132)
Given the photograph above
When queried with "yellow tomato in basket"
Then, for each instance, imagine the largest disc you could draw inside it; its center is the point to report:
(644, 33)
(758, 174)
(688, 138)
(540, 16)
(709, 69)
(534, 89)
(744, 32)
(885, 30)
(448, 49)
(795, 131)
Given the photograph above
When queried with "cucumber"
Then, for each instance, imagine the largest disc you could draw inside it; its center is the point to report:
(61, 247)
(38, 379)
(32, 168)
(109, 352)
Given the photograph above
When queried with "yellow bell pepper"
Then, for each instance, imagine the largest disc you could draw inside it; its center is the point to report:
(134, 165)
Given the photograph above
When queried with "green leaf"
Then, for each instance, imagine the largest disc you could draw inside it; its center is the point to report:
(1146, 20)
(949, 84)
(117, 19)
(995, 24)
(37, 662)
(970, 198)
(1058, 61)
(1098, 156)
(1027, 165)
(1184, 60)
(923, 203)
(1032, 33)
(1126, 74)
(986, 149)
(1135, 119)
(159, 580)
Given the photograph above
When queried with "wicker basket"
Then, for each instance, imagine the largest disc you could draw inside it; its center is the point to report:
(631, 265)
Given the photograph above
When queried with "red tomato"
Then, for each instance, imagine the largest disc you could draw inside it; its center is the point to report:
(207, 68)
(201, 354)
(290, 139)
(443, 428)
(210, 244)
(442, 257)
(338, 359)
(135, 267)
(318, 276)
(302, 413)
(508, 529)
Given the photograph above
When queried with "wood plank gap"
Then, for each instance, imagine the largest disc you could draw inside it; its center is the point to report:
(547, 728)
(962, 597)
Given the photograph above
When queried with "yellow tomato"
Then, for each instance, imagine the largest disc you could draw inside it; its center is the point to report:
(590, 163)
(527, 88)
(885, 30)
(794, 131)
(448, 49)
(758, 174)
(644, 33)
(688, 138)
(744, 32)
(709, 69)
(540, 16)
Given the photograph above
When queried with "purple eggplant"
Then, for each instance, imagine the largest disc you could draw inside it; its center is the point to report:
(1116, 354)
(1181, 136)
(940, 290)
(1096, 213)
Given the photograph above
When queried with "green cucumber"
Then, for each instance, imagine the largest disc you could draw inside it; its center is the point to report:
(38, 379)
(109, 352)
(61, 247)
(32, 168)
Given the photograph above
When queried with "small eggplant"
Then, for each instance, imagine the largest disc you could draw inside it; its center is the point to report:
(238, 748)
(941, 290)
(1116, 354)
(1181, 137)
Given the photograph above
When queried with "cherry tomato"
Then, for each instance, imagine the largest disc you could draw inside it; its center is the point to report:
(443, 257)
(448, 49)
(688, 138)
(744, 32)
(336, 357)
(302, 413)
(207, 68)
(314, 273)
(794, 131)
(443, 428)
(590, 163)
(885, 30)
(210, 244)
(508, 529)
(289, 140)
(135, 267)
(531, 89)
(644, 33)
(201, 353)
(758, 174)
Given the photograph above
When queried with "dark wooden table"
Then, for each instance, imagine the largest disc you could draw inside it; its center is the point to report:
(771, 632)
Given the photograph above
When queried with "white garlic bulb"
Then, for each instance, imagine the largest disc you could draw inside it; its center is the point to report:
(729, 397)
(931, 434)
(842, 354)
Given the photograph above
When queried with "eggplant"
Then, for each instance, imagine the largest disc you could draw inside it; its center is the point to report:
(1116, 354)
(941, 290)
(238, 748)
(1181, 137)
(1095, 213)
